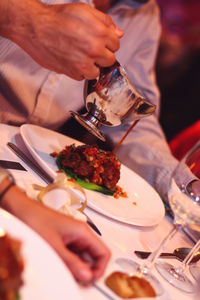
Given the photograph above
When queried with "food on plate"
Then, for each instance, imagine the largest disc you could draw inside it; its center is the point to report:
(11, 267)
(126, 286)
(91, 167)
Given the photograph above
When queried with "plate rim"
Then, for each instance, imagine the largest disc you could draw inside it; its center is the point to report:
(37, 157)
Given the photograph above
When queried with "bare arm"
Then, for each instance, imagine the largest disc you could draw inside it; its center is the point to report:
(68, 38)
(72, 239)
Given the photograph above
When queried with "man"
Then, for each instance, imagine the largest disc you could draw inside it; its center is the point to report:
(32, 26)
(33, 94)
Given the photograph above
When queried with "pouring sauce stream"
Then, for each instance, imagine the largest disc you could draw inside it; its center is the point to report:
(123, 138)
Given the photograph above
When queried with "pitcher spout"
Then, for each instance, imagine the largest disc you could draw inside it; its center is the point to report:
(142, 108)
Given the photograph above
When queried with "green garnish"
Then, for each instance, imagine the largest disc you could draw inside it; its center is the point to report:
(87, 185)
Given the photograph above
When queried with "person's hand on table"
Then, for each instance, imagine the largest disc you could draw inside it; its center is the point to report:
(72, 39)
(82, 251)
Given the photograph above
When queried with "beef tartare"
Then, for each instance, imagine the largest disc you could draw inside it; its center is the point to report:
(91, 164)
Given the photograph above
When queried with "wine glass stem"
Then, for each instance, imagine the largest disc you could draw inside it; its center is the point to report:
(190, 255)
(155, 254)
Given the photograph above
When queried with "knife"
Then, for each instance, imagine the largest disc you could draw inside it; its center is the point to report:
(48, 179)
(12, 165)
(145, 254)
(91, 223)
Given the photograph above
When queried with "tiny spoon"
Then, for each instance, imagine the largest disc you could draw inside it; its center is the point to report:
(179, 253)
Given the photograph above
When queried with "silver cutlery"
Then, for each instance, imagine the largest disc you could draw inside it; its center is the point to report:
(48, 179)
(91, 223)
(12, 165)
(178, 253)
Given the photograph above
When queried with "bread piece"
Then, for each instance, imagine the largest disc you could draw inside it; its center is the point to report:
(119, 284)
(127, 286)
(141, 287)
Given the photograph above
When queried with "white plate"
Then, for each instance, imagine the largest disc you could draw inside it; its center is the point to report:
(45, 275)
(149, 209)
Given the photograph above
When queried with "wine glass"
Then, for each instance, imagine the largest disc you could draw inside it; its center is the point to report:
(195, 270)
(184, 199)
(184, 193)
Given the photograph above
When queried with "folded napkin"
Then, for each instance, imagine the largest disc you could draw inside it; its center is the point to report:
(62, 195)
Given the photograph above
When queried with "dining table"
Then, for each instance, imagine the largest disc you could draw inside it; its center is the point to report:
(121, 238)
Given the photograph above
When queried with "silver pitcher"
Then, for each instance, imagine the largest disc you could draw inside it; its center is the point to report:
(112, 100)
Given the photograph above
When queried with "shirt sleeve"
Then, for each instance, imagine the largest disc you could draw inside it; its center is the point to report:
(145, 150)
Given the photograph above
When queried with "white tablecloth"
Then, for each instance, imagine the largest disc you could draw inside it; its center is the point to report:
(122, 239)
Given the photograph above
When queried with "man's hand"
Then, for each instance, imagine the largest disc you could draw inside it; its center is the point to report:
(73, 39)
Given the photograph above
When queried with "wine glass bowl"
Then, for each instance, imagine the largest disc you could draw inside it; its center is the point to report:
(184, 200)
(185, 205)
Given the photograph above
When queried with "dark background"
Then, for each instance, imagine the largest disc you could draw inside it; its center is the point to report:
(178, 65)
